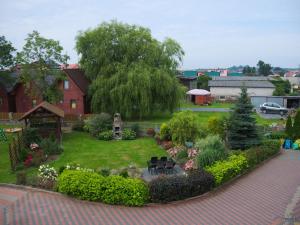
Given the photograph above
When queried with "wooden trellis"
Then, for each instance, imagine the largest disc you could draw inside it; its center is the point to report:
(15, 147)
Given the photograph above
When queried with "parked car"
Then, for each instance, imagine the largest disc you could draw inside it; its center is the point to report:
(271, 107)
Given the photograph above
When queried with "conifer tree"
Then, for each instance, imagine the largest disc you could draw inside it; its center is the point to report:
(242, 130)
(296, 126)
(289, 127)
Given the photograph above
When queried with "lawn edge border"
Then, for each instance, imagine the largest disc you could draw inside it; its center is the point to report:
(210, 193)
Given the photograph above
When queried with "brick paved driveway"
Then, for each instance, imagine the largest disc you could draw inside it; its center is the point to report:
(257, 198)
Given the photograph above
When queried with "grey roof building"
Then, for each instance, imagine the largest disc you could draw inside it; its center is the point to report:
(227, 88)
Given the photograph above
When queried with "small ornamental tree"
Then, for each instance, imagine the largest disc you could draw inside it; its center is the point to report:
(242, 130)
(289, 127)
(296, 126)
(184, 127)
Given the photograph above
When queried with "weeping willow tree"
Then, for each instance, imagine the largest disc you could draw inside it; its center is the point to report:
(131, 72)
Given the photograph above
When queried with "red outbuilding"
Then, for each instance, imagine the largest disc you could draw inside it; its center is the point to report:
(200, 96)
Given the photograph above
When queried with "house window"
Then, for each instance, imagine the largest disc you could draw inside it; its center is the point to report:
(1, 101)
(33, 102)
(66, 84)
(73, 104)
(222, 97)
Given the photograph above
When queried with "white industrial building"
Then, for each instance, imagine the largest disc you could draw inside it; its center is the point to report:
(229, 88)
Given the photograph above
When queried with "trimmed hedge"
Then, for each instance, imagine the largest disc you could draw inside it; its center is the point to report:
(94, 187)
(257, 154)
(228, 169)
(172, 188)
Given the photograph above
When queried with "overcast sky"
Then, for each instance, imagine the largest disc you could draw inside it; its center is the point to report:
(213, 33)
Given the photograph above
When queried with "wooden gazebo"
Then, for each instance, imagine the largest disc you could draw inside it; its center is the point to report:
(47, 118)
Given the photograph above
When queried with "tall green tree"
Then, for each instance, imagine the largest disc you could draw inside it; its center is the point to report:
(242, 130)
(296, 126)
(40, 61)
(131, 72)
(249, 71)
(202, 82)
(7, 58)
(282, 87)
(289, 127)
(264, 69)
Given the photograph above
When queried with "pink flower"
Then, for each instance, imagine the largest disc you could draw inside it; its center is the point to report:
(192, 152)
(189, 165)
(34, 146)
(174, 151)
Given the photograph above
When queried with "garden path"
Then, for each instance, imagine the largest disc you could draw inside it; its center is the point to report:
(260, 197)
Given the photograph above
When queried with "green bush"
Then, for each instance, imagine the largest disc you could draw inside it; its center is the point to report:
(257, 154)
(98, 123)
(276, 135)
(106, 135)
(128, 134)
(136, 128)
(184, 127)
(165, 132)
(172, 188)
(50, 146)
(228, 169)
(78, 125)
(31, 135)
(112, 189)
(217, 126)
(211, 149)
(80, 184)
(182, 154)
(104, 172)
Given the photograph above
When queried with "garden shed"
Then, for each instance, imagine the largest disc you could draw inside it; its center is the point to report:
(199, 96)
(47, 118)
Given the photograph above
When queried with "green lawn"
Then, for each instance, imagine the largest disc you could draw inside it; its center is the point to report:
(186, 104)
(89, 152)
(6, 176)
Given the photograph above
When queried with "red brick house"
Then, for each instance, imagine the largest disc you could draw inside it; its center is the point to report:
(3, 99)
(74, 89)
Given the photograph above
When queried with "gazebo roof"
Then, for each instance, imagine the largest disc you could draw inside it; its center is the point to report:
(47, 106)
(198, 92)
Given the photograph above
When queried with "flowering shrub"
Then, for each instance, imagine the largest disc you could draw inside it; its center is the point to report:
(189, 165)
(46, 172)
(192, 152)
(34, 146)
(28, 160)
(175, 150)
(76, 166)
(47, 177)
(227, 169)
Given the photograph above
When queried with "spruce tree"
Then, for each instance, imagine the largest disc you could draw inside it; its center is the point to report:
(242, 130)
(289, 127)
(296, 126)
